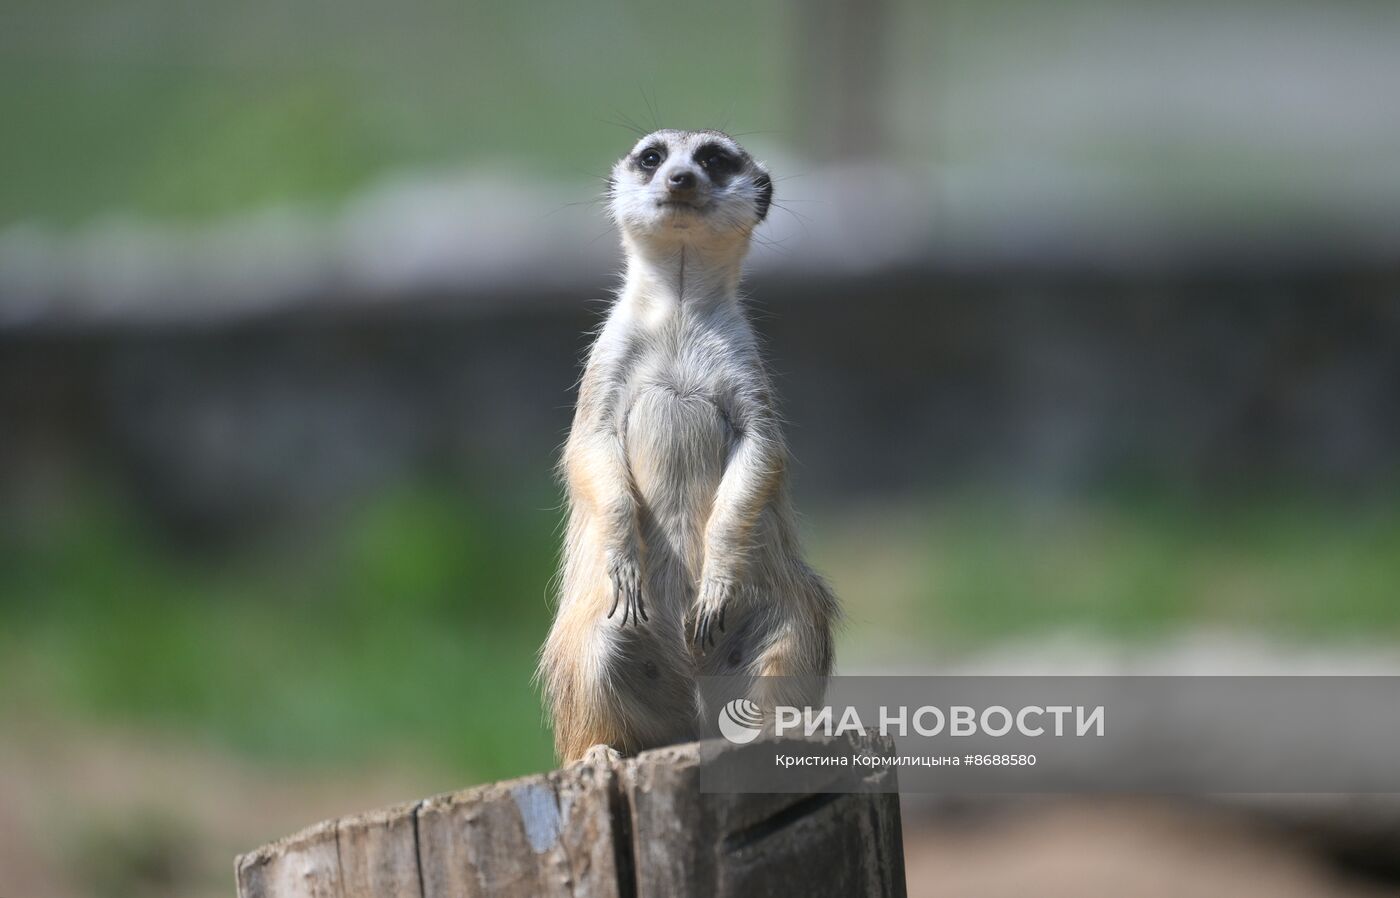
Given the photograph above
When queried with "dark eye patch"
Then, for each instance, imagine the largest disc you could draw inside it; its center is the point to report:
(718, 162)
(648, 160)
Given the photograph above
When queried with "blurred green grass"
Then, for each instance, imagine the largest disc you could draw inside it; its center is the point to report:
(189, 111)
(413, 627)
(412, 623)
(1136, 566)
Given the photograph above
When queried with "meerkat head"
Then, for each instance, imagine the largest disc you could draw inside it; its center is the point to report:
(689, 186)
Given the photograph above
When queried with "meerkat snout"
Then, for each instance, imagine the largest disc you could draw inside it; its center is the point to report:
(681, 181)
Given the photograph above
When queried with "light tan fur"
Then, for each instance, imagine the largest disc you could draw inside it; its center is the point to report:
(680, 557)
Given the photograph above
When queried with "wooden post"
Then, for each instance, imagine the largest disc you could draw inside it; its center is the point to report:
(634, 828)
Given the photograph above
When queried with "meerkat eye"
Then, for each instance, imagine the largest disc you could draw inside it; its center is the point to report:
(716, 161)
(649, 158)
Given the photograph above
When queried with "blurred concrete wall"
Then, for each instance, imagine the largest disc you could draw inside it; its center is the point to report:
(891, 383)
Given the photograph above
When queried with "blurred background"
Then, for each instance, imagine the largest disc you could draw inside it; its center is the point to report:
(1085, 315)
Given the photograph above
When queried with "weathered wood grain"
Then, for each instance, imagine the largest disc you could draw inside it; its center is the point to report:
(306, 865)
(635, 828)
(545, 835)
(378, 853)
(693, 843)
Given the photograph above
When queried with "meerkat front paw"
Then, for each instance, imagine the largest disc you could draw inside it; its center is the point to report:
(715, 593)
(626, 578)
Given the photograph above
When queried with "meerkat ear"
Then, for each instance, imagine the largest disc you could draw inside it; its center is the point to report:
(765, 194)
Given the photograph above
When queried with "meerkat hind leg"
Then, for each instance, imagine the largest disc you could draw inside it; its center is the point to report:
(633, 697)
(792, 666)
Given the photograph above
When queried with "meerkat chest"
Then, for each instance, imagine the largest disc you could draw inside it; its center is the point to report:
(685, 372)
(678, 431)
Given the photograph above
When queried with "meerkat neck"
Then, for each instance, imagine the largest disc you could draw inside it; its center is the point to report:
(665, 278)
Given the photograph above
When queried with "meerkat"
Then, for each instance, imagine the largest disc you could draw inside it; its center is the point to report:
(681, 557)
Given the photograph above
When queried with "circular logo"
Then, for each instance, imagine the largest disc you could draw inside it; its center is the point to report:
(741, 721)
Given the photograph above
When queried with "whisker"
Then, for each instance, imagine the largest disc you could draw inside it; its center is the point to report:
(728, 114)
(653, 109)
(625, 122)
(601, 234)
(801, 219)
(759, 131)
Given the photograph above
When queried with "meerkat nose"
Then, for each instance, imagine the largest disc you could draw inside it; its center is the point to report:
(681, 180)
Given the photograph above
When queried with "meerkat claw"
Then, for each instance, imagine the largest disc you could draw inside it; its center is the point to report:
(703, 632)
(627, 594)
(714, 601)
